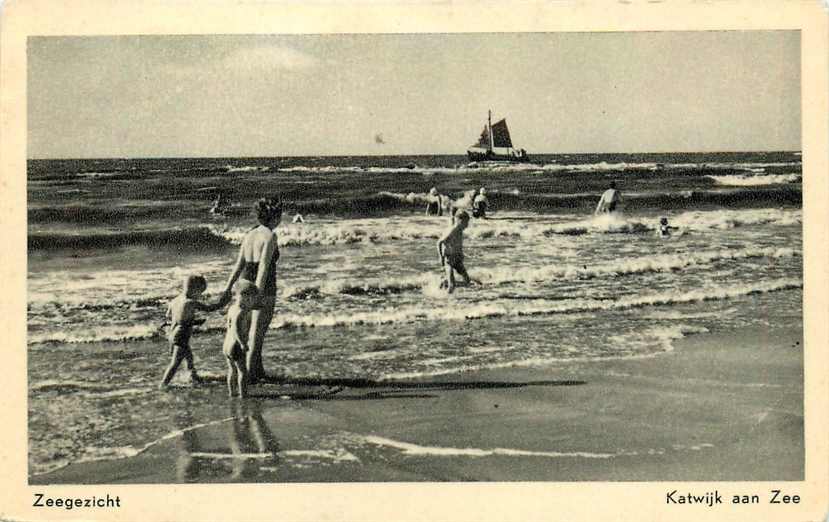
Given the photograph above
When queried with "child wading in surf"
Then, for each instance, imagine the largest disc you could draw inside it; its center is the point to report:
(181, 316)
(450, 251)
(236, 339)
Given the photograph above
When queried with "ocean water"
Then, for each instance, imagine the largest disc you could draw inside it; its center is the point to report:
(359, 297)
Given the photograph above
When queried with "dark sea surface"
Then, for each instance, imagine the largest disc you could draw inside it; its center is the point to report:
(111, 240)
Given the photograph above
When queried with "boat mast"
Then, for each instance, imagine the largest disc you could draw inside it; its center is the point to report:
(489, 127)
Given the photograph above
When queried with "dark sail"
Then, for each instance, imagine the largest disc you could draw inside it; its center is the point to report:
(500, 134)
(483, 141)
(495, 144)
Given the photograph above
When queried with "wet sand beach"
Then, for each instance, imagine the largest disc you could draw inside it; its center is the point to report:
(720, 406)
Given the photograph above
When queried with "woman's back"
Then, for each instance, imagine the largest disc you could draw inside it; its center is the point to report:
(253, 245)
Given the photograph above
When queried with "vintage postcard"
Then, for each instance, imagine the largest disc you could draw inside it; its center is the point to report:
(409, 261)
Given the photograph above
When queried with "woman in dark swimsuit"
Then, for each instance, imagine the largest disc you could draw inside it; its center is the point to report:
(256, 263)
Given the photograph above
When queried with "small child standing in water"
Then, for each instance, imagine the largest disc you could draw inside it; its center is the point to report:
(450, 251)
(181, 316)
(236, 339)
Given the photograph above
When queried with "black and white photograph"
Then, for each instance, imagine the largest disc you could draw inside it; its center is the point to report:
(416, 257)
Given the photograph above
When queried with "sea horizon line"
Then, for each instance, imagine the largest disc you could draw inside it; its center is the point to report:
(412, 155)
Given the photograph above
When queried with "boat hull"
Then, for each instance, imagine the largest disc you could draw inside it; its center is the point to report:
(493, 156)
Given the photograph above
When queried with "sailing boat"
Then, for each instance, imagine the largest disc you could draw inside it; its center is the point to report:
(495, 144)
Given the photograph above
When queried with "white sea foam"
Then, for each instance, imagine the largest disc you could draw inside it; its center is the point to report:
(528, 275)
(416, 450)
(535, 307)
(727, 219)
(414, 313)
(246, 168)
(101, 333)
(441, 361)
(484, 349)
(67, 386)
(754, 167)
(380, 230)
(752, 181)
(123, 286)
(230, 456)
(87, 388)
(326, 232)
(677, 315)
(96, 175)
(660, 338)
(93, 453)
(124, 392)
(337, 455)
(601, 166)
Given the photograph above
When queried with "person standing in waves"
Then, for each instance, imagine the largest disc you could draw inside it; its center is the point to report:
(256, 263)
(609, 201)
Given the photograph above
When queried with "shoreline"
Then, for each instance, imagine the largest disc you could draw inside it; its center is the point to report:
(720, 406)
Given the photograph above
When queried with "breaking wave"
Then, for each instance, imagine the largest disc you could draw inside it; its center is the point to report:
(416, 313)
(532, 307)
(547, 167)
(754, 181)
(641, 265)
(219, 237)
(747, 192)
(687, 199)
(247, 168)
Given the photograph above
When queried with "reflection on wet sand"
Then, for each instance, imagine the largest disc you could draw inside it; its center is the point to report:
(250, 445)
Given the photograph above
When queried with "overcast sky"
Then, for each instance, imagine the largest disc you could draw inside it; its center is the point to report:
(161, 96)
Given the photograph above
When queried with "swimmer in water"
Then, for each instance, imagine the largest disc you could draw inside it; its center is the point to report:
(450, 251)
(433, 206)
(463, 203)
(479, 204)
(609, 201)
(664, 229)
(446, 205)
(220, 205)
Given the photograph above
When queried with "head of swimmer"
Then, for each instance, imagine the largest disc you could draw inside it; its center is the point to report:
(246, 294)
(269, 211)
